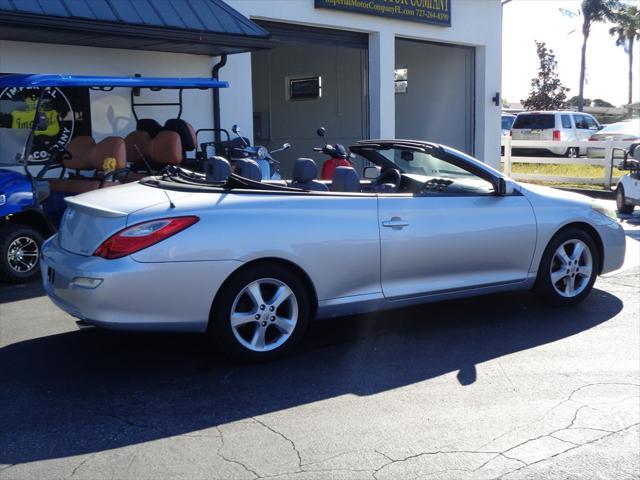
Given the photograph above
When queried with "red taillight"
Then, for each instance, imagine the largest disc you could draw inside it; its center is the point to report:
(556, 135)
(511, 133)
(142, 235)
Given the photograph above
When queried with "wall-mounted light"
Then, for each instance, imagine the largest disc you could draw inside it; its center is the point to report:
(496, 99)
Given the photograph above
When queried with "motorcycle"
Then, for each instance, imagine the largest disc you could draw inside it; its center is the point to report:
(338, 156)
(269, 166)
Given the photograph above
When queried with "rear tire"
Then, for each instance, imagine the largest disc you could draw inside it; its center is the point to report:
(621, 201)
(260, 314)
(19, 253)
(573, 152)
(568, 268)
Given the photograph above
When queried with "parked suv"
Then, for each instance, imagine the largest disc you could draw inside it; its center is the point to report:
(562, 126)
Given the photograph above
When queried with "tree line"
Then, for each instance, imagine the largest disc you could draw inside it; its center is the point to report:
(548, 92)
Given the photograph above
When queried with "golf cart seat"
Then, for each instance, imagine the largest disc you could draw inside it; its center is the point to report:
(305, 172)
(185, 130)
(101, 159)
(149, 125)
(155, 153)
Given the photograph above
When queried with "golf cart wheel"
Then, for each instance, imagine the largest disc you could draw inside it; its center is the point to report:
(568, 268)
(573, 152)
(19, 253)
(260, 313)
(621, 201)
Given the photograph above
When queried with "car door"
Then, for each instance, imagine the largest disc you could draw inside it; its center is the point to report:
(437, 242)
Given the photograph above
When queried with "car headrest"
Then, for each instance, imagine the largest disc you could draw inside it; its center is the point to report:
(148, 125)
(185, 130)
(345, 179)
(217, 169)
(80, 148)
(249, 169)
(304, 170)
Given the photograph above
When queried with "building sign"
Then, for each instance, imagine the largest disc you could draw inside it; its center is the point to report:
(426, 11)
(66, 110)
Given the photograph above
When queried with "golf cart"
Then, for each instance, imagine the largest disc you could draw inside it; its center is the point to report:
(628, 188)
(35, 181)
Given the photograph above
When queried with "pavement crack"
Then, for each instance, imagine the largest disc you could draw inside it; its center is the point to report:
(568, 450)
(231, 460)
(283, 436)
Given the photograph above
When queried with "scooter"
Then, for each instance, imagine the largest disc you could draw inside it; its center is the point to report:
(269, 166)
(338, 156)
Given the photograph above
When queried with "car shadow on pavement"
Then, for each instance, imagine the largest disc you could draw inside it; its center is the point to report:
(14, 293)
(90, 390)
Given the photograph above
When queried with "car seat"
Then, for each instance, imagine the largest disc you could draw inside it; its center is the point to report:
(305, 171)
(217, 169)
(248, 169)
(345, 179)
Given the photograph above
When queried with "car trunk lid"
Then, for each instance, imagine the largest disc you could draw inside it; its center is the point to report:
(93, 217)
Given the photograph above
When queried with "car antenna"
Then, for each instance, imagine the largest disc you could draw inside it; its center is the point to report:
(171, 204)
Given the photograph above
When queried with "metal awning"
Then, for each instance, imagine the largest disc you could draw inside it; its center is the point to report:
(45, 80)
(205, 27)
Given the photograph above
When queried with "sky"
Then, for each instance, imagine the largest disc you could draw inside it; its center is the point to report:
(607, 65)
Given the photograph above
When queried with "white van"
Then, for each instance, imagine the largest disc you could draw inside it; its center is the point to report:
(562, 126)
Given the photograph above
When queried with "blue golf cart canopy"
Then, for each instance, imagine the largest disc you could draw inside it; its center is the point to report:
(41, 80)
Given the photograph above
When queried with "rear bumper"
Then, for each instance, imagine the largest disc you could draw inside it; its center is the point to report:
(538, 151)
(169, 296)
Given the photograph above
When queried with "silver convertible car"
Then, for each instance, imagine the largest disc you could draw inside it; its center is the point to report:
(252, 263)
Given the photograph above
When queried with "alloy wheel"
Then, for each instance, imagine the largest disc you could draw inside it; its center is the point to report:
(571, 268)
(23, 254)
(264, 315)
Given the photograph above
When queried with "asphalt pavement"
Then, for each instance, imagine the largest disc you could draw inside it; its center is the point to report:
(486, 388)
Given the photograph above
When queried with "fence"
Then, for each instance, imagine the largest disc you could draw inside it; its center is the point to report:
(612, 152)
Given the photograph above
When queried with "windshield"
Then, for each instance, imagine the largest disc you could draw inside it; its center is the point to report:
(423, 163)
(13, 132)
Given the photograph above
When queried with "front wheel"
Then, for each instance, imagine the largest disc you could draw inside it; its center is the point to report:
(19, 253)
(568, 269)
(621, 201)
(260, 313)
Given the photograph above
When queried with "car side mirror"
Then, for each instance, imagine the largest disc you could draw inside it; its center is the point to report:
(42, 122)
(505, 187)
(600, 127)
(286, 146)
(321, 132)
(371, 173)
(235, 129)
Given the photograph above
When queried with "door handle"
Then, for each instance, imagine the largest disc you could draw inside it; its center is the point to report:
(396, 223)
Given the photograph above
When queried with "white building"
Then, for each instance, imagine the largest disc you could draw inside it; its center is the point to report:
(329, 67)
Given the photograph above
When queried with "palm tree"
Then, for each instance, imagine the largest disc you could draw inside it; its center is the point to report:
(593, 11)
(627, 31)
